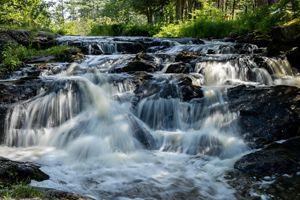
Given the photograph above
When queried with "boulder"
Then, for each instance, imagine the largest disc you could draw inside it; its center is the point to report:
(187, 56)
(179, 67)
(13, 172)
(266, 114)
(141, 63)
(273, 160)
(293, 57)
(272, 171)
(181, 88)
(130, 47)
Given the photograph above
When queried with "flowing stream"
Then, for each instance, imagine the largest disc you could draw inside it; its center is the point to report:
(93, 135)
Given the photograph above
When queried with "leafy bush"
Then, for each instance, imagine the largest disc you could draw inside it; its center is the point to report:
(13, 55)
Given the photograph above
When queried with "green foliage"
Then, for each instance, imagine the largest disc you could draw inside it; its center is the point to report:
(14, 54)
(210, 22)
(30, 13)
(125, 30)
(20, 191)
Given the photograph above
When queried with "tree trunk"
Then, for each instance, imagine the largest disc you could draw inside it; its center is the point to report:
(233, 8)
(180, 5)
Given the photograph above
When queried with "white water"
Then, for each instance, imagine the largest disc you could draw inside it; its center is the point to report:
(85, 139)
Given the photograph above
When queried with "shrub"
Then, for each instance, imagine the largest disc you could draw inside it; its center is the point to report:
(13, 55)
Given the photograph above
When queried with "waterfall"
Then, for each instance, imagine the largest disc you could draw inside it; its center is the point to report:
(135, 135)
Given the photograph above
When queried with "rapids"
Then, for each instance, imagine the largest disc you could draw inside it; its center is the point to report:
(94, 135)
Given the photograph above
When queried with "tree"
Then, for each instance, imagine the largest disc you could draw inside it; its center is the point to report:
(24, 12)
(153, 9)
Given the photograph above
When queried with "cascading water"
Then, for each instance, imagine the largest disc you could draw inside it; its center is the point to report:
(94, 136)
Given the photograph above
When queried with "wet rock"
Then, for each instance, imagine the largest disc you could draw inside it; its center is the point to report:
(272, 171)
(211, 51)
(19, 90)
(179, 67)
(188, 90)
(206, 145)
(142, 62)
(41, 59)
(266, 114)
(13, 172)
(3, 110)
(283, 187)
(273, 160)
(130, 47)
(57, 194)
(136, 66)
(187, 56)
(181, 87)
(293, 57)
(142, 134)
(189, 41)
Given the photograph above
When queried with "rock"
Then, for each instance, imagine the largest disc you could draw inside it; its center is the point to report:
(27, 38)
(57, 194)
(272, 160)
(286, 34)
(181, 88)
(187, 56)
(142, 134)
(19, 90)
(13, 172)
(188, 90)
(130, 47)
(136, 66)
(3, 110)
(41, 59)
(271, 171)
(293, 57)
(257, 38)
(211, 51)
(5, 38)
(189, 41)
(142, 62)
(284, 39)
(284, 187)
(179, 67)
(266, 114)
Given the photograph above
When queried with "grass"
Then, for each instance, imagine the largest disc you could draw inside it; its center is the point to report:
(20, 191)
